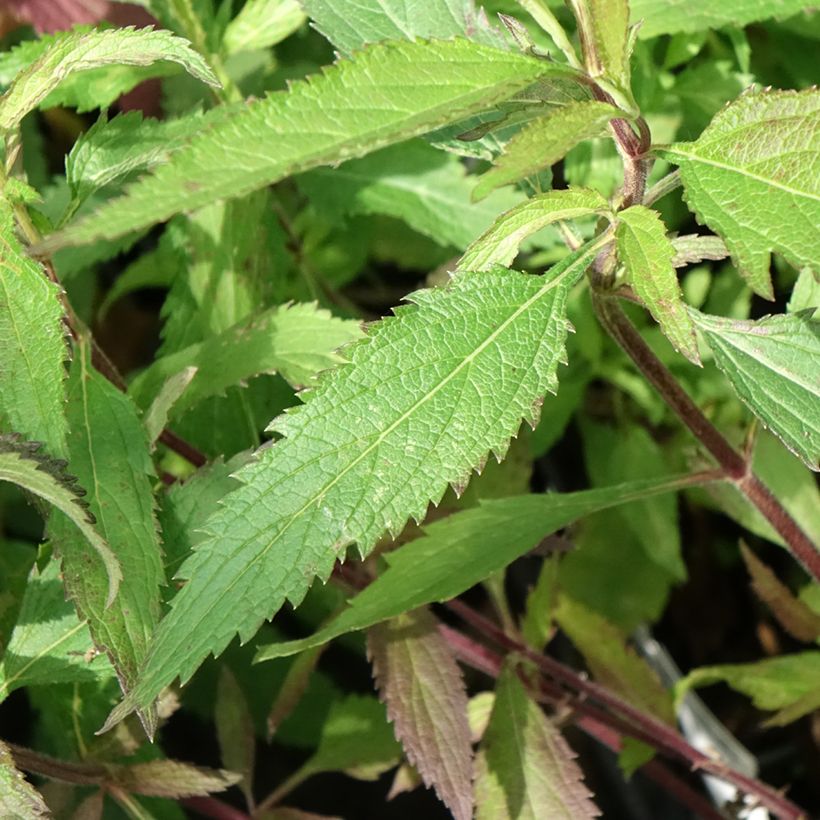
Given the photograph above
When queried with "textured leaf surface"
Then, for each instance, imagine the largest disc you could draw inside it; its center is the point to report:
(422, 686)
(347, 111)
(670, 16)
(79, 51)
(525, 770)
(611, 661)
(500, 244)
(428, 189)
(546, 140)
(603, 31)
(774, 683)
(108, 449)
(18, 798)
(462, 550)
(647, 254)
(21, 464)
(262, 24)
(793, 614)
(427, 395)
(49, 643)
(172, 778)
(352, 24)
(753, 177)
(32, 364)
(298, 341)
(772, 365)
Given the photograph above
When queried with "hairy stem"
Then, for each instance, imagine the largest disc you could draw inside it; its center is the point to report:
(735, 466)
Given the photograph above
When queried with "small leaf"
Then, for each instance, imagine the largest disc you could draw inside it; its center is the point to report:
(462, 550)
(796, 617)
(753, 176)
(806, 292)
(172, 779)
(603, 29)
(296, 340)
(692, 248)
(670, 16)
(78, 51)
(422, 686)
(49, 643)
(18, 798)
(352, 24)
(345, 112)
(262, 24)
(156, 416)
(500, 244)
(545, 141)
(525, 770)
(234, 730)
(32, 340)
(612, 662)
(536, 625)
(772, 365)
(773, 683)
(647, 255)
(374, 443)
(21, 464)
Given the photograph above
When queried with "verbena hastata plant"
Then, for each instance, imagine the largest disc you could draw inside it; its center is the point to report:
(536, 163)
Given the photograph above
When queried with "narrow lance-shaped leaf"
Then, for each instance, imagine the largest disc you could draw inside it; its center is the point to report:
(171, 778)
(78, 51)
(462, 550)
(21, 464)
(647, 255)
(525, 770)
(426, 396)
(32, 340)
(753, 176)
(18, 798)
(298, 341)
(546, 140)
(109, 451)
(772, 365)
(49, 643)
(234, 730)
(262, 24)
(671, 16)
(603, 29)
(422, 686)
(352, 24)
(500, 244)
(346, 112)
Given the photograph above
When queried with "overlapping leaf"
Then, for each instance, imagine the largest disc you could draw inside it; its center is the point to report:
(603, 28)
(18, 798)
(346, 112)
(421, 685)
(262, 24)
(80, 51)
(753, 176)
(772, 365)
(525, 770)
(546, 140)
(426, 397)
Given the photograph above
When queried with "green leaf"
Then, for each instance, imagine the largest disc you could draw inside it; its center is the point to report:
(345, 112)
(793, 614)
(352, 24)
(171, 778)
(545, 141)
(753, 176)
(525, 770)
(234, 730)
(109, 452)
(772, 365)
(32, 338)
(18, 798)
(374, 443)
(16, 560)
(262, 24)
(298, 341)
(647, 254)
(70, 52)
(428, 189)
(603, 29)
(462, 550)
(611, 661)
(21, 464)
(670, 16)
(536, 623)
(806, 292)
(49, 644)
(773, 683)
(421, 684)
(500, 244)
(157, 414)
